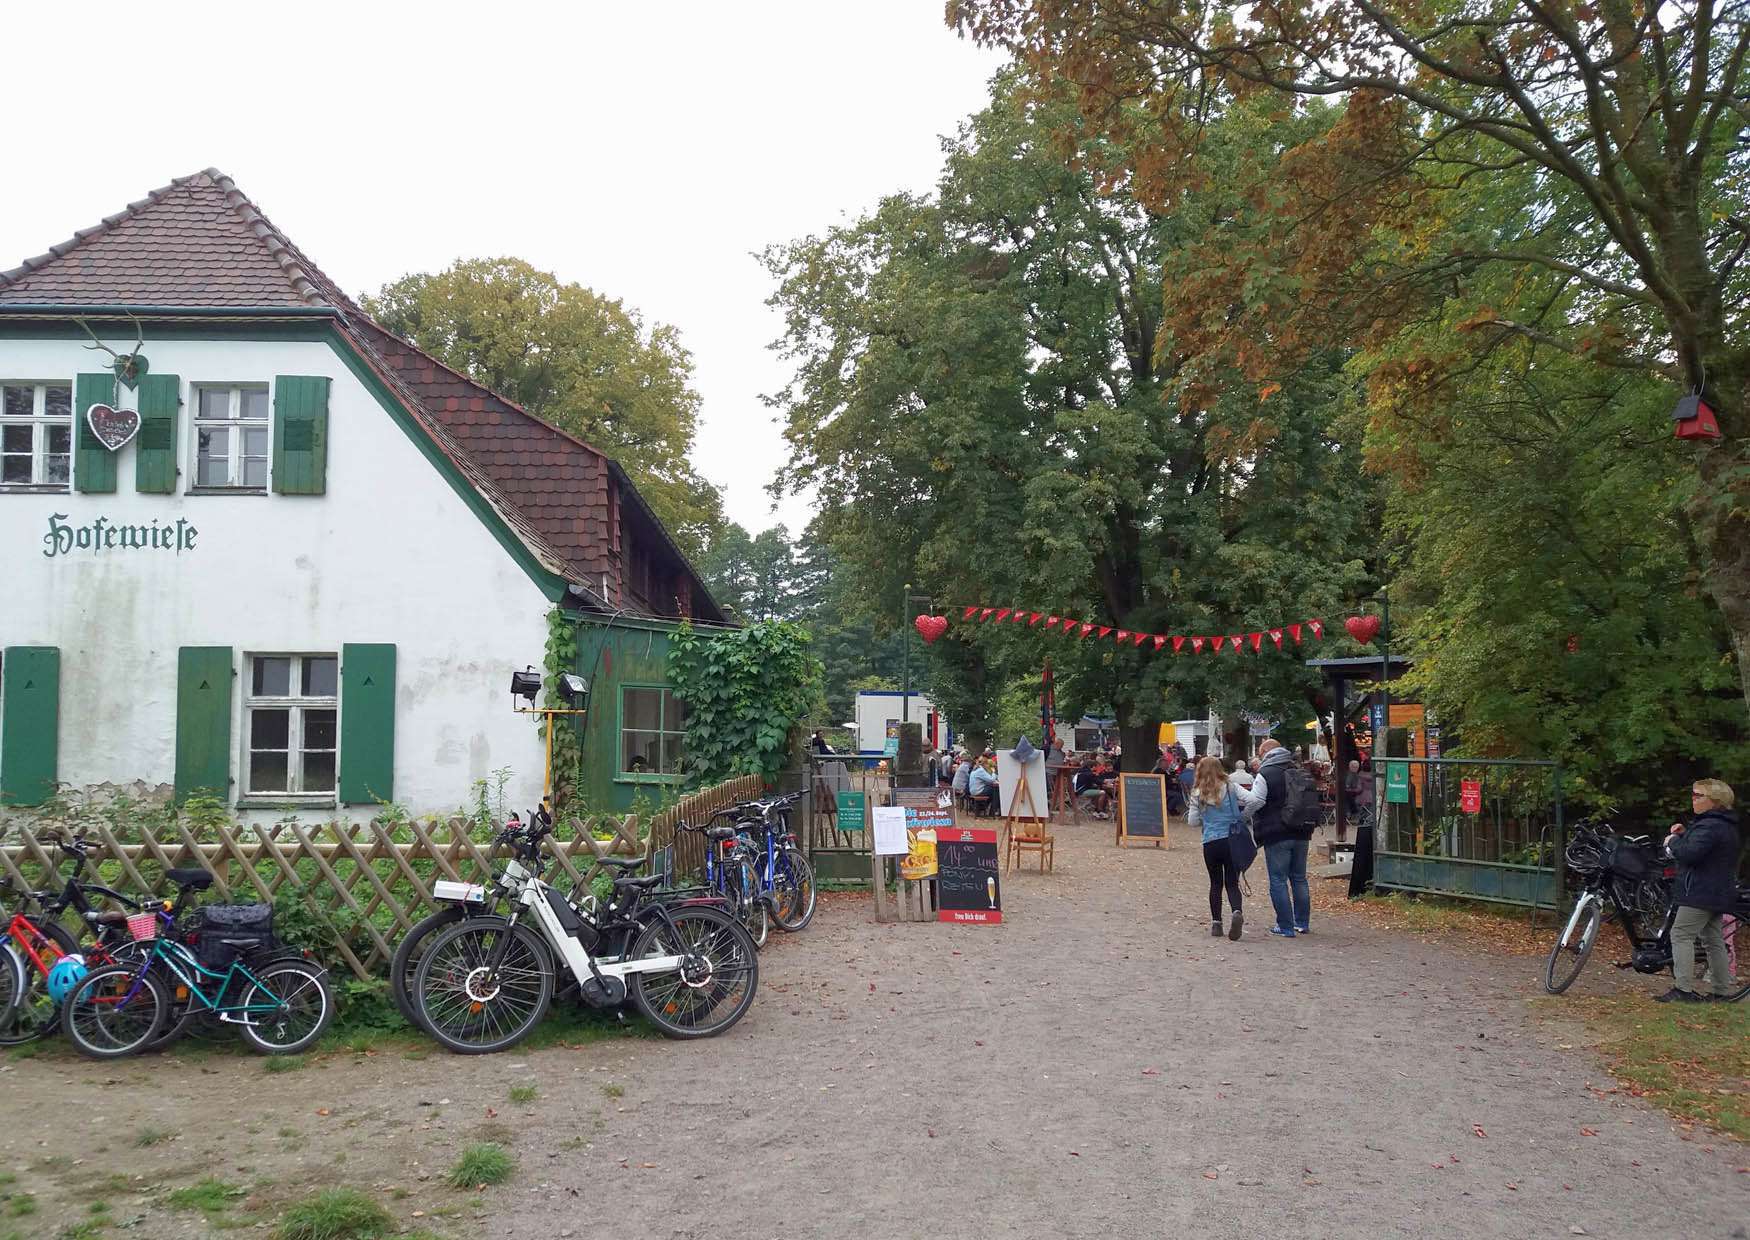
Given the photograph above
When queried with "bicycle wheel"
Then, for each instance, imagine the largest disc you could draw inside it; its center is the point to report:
(11, 983)
(712, 989)
(296, 1007)
(471, 1008)
(793, 884)
(1568, 956)
(750, 904)
(114, 1011)
(408, 953)
(36, 1013)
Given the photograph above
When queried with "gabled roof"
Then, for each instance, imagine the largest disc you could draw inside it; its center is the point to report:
(199, 243)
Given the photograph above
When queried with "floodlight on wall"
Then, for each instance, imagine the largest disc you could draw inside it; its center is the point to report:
(526, 685)
(574, 689)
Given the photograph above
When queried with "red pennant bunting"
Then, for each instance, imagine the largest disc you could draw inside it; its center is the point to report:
(1003, 613)
(1294, 632)
(1051, 622)
(1276, 636)
(1219, 642)
(984, 612)
(1086, 628)
(1122, 636)
(1105, 629)
(1178, 644)
(1033, 618)
(1257, 642)
(967, 614)
(1317, 626)
(1137, 638)
(1197, 645)
(1161, 641)
(1019, 617)
(1234, 643)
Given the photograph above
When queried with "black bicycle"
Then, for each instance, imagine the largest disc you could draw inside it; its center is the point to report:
(1628, 879)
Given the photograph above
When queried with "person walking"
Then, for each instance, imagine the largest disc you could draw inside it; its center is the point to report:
(1216, 807)
(1707, 871)
(1283, 839)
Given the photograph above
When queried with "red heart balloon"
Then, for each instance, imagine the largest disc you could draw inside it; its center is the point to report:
(930, 627)
(1362, 628)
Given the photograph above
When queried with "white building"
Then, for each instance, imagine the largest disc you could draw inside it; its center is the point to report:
(304, 581)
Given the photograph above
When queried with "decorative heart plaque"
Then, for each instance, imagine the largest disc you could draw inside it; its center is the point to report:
(930, 627)
(113, 427)
(1362, 628)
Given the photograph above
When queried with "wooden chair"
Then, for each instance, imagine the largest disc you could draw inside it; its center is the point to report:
(1026, 834)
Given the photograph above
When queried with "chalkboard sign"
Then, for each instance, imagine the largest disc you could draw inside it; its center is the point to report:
(966, 876)
(1142, 808)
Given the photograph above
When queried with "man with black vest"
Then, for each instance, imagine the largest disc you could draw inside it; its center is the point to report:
(1283, 828)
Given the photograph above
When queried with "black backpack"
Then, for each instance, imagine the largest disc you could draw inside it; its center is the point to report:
(1300, 803)
(227, 932)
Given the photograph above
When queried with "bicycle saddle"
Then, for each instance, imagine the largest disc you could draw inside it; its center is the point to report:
(632, 883)
(621, 863)
(109, 917)
(190, 880)
(720, 833)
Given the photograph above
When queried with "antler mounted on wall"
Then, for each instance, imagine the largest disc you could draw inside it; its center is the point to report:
(128, 367)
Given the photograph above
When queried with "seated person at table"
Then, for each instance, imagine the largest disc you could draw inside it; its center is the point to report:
(1090, 789)
(962, 772)
(981, 786)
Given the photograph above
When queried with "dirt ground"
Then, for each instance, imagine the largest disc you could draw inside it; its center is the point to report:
(1098, 1066)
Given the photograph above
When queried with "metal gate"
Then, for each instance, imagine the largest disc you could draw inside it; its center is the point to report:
(835, 823)
(1474, 828)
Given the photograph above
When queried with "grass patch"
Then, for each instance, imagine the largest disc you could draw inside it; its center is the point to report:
(22, 1205)
(88, 1230)
(30, 1050)
(152, 1136)
(583, 1027)
(209, 1196)
(283, 1063)
(524, 1093)
(480, 1165)
(615, 1091)
(1691, 1060)
(337, 1214)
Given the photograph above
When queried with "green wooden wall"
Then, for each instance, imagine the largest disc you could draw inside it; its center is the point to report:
(612, 656)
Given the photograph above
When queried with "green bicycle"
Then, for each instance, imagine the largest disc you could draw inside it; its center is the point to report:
(280, 1004)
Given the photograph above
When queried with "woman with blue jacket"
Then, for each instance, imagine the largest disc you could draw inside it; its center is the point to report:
(1217, 806)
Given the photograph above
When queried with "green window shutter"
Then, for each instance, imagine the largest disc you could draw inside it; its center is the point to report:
(30, 723)
(93, 464)
(203, 722)
(300, 435)
(160, 409)
(367, 724)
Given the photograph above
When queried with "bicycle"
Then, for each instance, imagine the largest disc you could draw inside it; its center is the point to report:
(283, 1002)
(784, 879)
(483, 984)
(730, 869)
(34, 944)
(1629, 874)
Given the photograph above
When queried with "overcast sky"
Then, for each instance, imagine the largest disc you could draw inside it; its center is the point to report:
(643, 150)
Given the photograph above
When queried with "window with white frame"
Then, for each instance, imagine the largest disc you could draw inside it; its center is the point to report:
(231, 437)
(653, 731)
(291, 725)
(36, 434)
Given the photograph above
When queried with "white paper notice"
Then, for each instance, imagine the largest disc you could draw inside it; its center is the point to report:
(890, 838)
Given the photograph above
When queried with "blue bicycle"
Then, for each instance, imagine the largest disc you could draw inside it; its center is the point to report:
(755, 863)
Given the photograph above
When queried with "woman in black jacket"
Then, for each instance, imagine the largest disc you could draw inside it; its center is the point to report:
(1707, 876)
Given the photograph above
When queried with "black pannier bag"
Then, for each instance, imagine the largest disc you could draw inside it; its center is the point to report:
(1629, 860)
(229, 931)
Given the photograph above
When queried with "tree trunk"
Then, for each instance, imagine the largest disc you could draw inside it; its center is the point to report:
(1141, 740)
(1720, 513)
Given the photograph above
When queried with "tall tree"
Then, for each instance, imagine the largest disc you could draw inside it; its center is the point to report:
(582, 361)
(1625, 122)
(758, 577)
(988, 405)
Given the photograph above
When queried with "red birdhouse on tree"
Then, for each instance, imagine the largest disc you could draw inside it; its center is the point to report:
(1694, 419)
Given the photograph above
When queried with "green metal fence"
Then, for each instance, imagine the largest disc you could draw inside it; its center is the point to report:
(1473, 828)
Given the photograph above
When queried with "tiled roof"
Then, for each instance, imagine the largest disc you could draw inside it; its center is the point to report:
(195, 242)
(200, 243)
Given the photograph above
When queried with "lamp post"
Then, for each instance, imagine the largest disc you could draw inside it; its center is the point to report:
(572, 689)
(905, 604)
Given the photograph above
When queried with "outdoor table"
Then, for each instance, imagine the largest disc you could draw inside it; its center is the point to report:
(1063, 776)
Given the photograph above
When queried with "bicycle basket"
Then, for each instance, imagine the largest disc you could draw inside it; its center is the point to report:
(143, 926)
(228, 931)
(1629, 860)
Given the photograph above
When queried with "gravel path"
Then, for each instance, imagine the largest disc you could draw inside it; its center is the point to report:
(1096, 1067)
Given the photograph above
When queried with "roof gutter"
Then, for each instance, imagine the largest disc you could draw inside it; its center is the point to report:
(48, 311)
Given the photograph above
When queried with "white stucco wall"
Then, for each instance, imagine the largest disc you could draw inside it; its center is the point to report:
(389, 554)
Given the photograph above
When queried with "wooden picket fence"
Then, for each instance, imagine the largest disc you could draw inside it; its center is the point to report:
(374, 877)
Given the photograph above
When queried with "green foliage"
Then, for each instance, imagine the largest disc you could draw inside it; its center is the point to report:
(745, 690)
(208, 1195)
(336, 1214)
(562, 656)
(584, 362)
(480, 1165)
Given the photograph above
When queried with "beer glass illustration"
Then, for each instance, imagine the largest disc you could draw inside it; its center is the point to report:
(990, 891)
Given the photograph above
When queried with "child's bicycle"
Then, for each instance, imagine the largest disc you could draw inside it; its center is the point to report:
(279, 1002)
